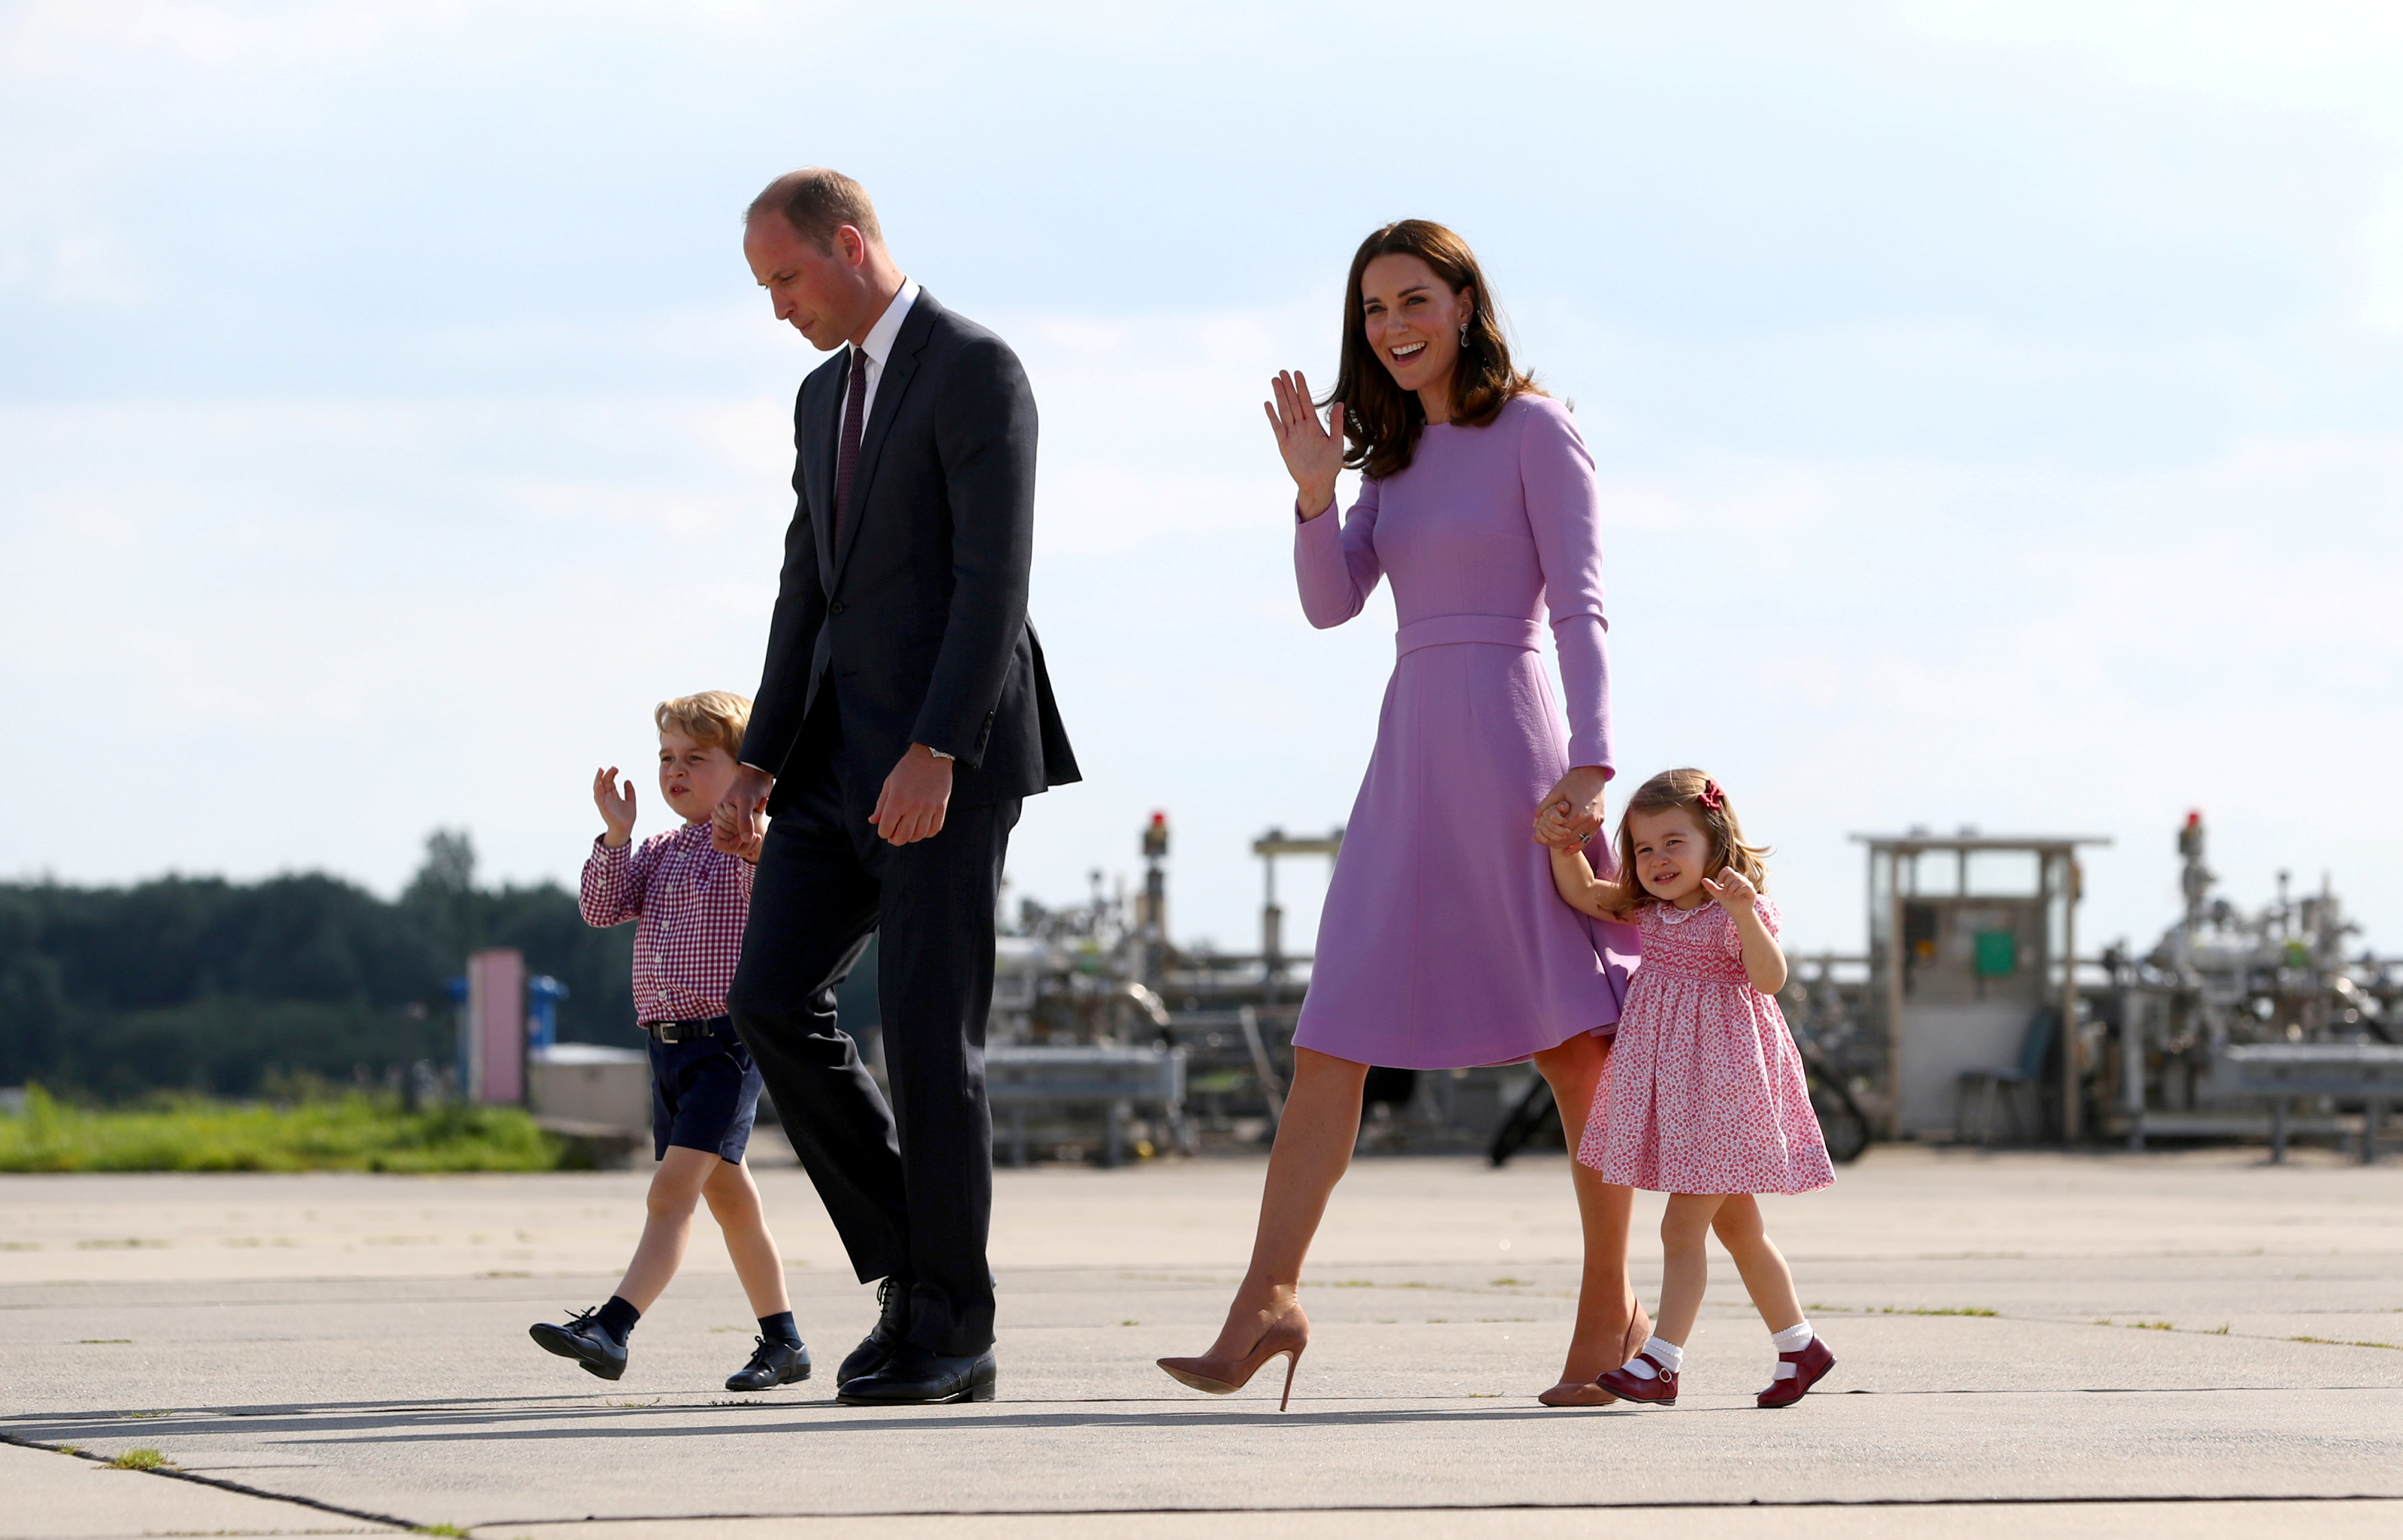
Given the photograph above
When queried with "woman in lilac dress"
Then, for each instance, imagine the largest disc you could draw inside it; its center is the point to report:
(1442, 944)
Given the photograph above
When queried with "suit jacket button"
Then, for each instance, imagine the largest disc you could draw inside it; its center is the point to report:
(834, 608)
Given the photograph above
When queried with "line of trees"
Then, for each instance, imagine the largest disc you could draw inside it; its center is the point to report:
(205, 985)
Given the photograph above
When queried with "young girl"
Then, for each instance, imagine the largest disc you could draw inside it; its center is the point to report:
(1705, 1099)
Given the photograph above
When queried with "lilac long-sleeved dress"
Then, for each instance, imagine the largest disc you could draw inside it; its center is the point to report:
(1443, 943)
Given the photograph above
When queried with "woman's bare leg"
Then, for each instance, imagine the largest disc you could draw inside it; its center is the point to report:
(1610, 1324)
(734, 1203)
(1312, 1150)
(667, 1227)
(1684, 1263)
(1766, 1276)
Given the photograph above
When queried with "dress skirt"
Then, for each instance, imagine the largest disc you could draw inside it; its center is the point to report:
(1443, 944)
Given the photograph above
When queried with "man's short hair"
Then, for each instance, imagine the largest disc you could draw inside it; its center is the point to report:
(713, 720)
(817, 202)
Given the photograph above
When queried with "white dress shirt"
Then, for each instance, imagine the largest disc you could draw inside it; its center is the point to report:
(879, 346)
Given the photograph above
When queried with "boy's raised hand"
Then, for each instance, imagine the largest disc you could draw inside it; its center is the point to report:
(616, 807)
(1733, 892)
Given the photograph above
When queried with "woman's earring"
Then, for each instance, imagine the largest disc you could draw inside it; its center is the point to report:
(1463, 336)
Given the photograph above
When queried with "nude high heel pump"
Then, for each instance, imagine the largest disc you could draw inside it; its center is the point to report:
(1288, 1335)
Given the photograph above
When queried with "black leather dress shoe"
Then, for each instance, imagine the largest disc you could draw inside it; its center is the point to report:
(877, 1348)
(772, 1363)
(583, 1340)
(917, 1377)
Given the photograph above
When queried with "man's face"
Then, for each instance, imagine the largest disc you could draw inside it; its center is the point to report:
(819, 292)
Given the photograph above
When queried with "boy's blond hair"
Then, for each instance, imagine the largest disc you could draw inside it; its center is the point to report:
(713, 719)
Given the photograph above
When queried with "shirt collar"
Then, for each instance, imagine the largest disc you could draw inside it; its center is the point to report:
(879, 346)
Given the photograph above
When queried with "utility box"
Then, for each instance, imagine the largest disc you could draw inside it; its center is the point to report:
(585, 1088)
(1970, 936)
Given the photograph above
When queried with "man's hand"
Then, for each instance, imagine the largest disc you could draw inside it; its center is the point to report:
(915, 797)
(616, 808)
(1571, 812)
(736, 823)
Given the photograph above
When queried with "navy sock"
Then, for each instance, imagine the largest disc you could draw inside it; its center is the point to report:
(780, 1328)
(617, 1318)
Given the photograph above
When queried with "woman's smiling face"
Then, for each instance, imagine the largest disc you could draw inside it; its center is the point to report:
(1672, 853)
(1412, 319)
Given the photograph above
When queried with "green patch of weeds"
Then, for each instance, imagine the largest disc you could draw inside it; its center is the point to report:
(1505, 1320)
(20, 1245)
(635, 1406)
(2221, 1332)
(1485, 1396)
(1129, 1322)
(128, 1244)
(721, 1330)
(2341, 1342)
(1354, 1283)
(526, 1275)
(439, 1529)
(139, 1460)
(103, 1341)
(1932, 1309)
(142, 1414)
(69, 1448)
(352, 1131)
(2151, 1325)
(1511, 1283)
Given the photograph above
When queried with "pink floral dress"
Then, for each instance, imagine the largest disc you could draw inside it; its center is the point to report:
(1704, 1091)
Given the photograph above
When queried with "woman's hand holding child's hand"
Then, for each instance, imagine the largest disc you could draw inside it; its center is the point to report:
(1733, 892)
(616, 808)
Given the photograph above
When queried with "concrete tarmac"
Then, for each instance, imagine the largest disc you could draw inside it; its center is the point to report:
(2188, 1344)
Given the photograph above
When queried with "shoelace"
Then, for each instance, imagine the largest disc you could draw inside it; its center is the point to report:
(758, 1355)
(578, 1320)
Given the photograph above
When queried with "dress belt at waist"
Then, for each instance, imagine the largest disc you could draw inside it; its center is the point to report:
(1444, 631)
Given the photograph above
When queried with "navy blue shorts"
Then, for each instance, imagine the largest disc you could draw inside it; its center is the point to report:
(704, 1095)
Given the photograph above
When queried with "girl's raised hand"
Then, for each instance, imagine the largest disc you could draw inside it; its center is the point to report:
(1312, 454)
(616, 808)
(1733, 892)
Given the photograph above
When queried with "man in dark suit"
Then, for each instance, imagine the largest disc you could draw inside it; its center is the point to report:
(903, 715)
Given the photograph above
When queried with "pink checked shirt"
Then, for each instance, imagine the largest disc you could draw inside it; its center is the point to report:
(688, 901)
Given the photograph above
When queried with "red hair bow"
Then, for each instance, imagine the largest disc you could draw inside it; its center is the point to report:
(1713, 797)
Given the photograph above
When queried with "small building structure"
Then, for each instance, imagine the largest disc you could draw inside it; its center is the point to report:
(1972, 937)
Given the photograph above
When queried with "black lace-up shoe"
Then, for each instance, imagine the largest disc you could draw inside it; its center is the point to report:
(877, 1348)
(916, 1378)
(772, 1363)
(583, 1340)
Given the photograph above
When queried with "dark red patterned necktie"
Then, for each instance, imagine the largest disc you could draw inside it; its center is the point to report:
(847, 460)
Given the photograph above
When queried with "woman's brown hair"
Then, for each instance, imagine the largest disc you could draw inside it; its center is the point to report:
(1380, 418)
(1700, 795)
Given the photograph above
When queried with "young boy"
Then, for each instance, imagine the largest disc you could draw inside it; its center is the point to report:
(688, 902)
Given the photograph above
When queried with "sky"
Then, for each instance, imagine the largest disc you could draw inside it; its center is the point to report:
(1998, 408)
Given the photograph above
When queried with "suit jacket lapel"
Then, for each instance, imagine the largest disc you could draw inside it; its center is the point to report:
(916, 327)
(822, 425)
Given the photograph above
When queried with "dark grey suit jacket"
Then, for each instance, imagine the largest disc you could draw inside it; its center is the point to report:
(918, 624)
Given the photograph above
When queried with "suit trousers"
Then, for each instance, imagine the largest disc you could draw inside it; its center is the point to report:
(908, 1185)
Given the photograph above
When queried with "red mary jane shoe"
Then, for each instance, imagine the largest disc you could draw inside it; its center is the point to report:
(1660, 1390)
(1809, 1365)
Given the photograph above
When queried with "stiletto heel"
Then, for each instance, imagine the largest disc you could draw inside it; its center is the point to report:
(1286, 1336)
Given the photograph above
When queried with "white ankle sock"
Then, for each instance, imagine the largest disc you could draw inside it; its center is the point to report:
(1793, 1339)
(1667, 1354)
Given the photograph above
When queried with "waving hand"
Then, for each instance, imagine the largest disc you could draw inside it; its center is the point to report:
(1312, 454)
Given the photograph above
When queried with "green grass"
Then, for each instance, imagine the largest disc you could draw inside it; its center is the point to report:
(2341, 1342)
(349, 1133)
(138, 1460)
